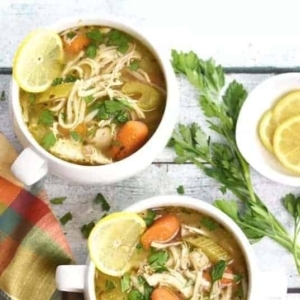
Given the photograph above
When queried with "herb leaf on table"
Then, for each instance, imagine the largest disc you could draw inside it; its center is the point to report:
(223, 161)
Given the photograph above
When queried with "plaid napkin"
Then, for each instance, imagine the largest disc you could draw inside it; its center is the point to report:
(32, 243)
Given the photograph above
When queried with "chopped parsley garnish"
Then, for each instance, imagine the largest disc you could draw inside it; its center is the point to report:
(91, 51)
(71, 34)
(31, 99)
(70, 78)
(237, 277)
(58, 200)
(209, 223)
(180, 190)
(75, 136)
(57, 81)
(66, 218)
(95, 35)
(150, 217)
(111, 109)
(101, 200)
(88, 99)
(49, 140)
(125, 282)
(139, 246)
(67, 79)
(109, 285)
(2, 97)
(218, 270)
(135, 295)
(119, 39)
(46, 118)
(147, 288)
(134, 65)
(157, 261)
(86, 229)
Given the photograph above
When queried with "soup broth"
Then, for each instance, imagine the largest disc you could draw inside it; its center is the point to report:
(105, 105)
(201, 260)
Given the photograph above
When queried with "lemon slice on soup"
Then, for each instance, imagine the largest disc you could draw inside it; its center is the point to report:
(286, 144)
(113, 240)
(38, 60)
(266, 130)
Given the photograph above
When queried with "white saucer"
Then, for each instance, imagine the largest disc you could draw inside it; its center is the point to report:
(262, 98)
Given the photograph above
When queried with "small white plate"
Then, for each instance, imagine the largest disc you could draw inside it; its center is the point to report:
(261, 99)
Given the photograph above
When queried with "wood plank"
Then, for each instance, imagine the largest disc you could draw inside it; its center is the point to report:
(228, 33)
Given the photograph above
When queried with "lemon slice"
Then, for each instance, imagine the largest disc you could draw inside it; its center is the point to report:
(38, 60)
(287, 107)
(286, 144)
(266, 130)
(112, 242)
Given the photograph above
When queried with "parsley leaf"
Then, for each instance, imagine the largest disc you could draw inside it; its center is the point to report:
(135, 295)
(237, 277)
(157, 261)
(218, 270)
(2, 97)
(46, 118)
(95, 35)
(86, 229)
(58, 200)
(71, 34)
(119, 39)
(125, 282)
(222, 160)
(57, 81)
(109, 285)
(91, 51)
(134, 65)
(70, 78)
(48, 140)
(209, 223)
(101, 200)
(75, 136)
(180, 190)
(89, 99)
(150, 217)
(66, 218)
(147, 288)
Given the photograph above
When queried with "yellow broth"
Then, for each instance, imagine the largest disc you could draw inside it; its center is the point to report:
(108, 79)
(198, 234)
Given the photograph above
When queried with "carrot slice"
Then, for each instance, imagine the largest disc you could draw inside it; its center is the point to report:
(163, 294)
(77, 44)
(130, 138)
(162, 230)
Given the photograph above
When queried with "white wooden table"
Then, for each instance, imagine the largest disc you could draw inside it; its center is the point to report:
(253, 40)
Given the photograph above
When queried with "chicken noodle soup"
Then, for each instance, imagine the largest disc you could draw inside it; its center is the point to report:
(107, 102)
(181, 255)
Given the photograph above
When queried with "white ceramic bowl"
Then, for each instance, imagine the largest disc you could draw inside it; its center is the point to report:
(261, 99)
(34, 162)
(81, 278)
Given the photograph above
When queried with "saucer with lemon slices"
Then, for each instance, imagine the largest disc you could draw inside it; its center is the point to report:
(268, 129)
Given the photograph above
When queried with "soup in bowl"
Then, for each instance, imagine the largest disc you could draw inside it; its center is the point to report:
(108, 112)
(188, 250)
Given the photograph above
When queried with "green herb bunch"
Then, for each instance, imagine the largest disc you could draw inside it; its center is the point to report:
(223, 161)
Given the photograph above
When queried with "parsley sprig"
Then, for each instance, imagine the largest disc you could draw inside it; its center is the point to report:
(223, 161)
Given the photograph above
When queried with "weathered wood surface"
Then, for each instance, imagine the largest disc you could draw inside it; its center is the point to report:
(247, 37)
(162, 177)
(236, 33)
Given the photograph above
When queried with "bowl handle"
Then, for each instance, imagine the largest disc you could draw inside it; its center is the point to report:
(70, 278)
(29, 167)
